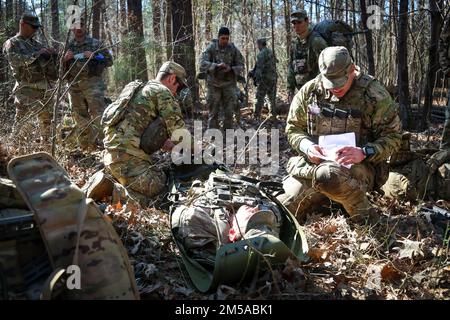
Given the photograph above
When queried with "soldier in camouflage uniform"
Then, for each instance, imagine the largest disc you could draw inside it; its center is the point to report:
(124, 157)
(223, 63)
(340, 99)
(265, 77)
(30, 61)
(87, 92)
(305, 49)
(418, 174)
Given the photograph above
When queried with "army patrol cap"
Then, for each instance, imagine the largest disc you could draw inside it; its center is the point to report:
(300, 16)
(334, 64)
(31, 19)
(178, 70)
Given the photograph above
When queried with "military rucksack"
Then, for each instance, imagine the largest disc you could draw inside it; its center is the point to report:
(61, 231)
(219, 246)
(335, 33)
(115, 111)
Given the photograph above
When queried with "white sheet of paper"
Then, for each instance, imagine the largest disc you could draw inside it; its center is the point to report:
(330, 143)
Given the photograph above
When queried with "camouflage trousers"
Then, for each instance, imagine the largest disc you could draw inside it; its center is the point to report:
(413, 183)
(224, 97)
(30, 103)
(445, 141)
(328, 181)
(141, 178)
(264, 89)
(87, 101)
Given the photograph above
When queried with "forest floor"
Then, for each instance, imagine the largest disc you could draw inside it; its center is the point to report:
(403, 256)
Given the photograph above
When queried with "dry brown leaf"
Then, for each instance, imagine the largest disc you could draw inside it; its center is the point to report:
(330, 229)
(389, 273)
(118, 206)
(317, 254)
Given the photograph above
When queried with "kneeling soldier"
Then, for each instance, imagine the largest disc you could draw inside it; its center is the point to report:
(341, 99)
(132, 129)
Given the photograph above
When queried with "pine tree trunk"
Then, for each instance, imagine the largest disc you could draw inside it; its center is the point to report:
(272, 25)
(183, 35)
(433, 66)
(156, 23)
(208, 19)
(369, 46)
(123, 18)
(402, 64)
(97, 6)
(136, 34)
(287, 24)
(168, 28)
(55, 20)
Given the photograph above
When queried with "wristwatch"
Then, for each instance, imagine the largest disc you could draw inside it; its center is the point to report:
(368, 151)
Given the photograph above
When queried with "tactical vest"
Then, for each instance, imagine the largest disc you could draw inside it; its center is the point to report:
(326, 117)
(302, 63)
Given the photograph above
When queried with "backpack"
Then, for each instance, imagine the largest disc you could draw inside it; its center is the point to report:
(60, 230)
(115, 111)
(335, 33)
(222, 223)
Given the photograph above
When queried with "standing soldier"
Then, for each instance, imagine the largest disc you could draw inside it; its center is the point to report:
(265, 78)
(341, 99)
(137, 124)
(87, 92)
(223, 63)
(305, 49)
(30, 62)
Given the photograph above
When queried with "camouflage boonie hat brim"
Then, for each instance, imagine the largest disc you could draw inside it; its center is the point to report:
(175, 68)
(299, 16)
(334, 64)
(31, 19)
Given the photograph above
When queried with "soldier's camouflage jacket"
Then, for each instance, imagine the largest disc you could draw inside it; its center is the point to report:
(151, 101)
(214, 55)
(265, 68)
(303, 59)
(95, 66)
(444, 48)
(27, 67)
(367, 109)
